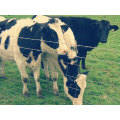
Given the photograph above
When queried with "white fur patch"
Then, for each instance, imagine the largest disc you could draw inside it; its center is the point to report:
(2, 18)
(41, 19)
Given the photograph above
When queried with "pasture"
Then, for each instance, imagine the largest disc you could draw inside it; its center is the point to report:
(103, 81)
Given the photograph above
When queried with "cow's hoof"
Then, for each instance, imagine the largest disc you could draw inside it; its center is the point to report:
(26, 94)
(84, 68)
(39, 94)
(3, 77)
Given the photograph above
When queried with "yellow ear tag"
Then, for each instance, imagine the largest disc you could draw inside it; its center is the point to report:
(112, 30)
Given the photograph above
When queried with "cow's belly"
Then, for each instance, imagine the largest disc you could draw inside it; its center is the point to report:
(51, 58)
(6, 54)
(33, 63)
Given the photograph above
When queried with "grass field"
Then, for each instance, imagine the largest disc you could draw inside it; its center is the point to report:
(103, 81)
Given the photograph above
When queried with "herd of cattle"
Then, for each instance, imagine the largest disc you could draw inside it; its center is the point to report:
(59, 43)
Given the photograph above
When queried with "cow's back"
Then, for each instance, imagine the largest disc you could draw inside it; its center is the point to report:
(9, 38)
(84, 29)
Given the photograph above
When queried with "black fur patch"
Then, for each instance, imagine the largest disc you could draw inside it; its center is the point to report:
(34, 16)
(37, 31)
(6, 25)
(7, 42)
(0, 40)
(28, 45)
(29, 60)
(25, 80)
(64, 28)
(52, 21)
(50, 35)
(71, 72)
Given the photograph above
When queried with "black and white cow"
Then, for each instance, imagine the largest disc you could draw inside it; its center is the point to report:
(74, 83)
(24, 40)
(88, 32)
(20, 43)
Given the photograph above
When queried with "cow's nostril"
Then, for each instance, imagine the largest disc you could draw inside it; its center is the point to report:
(65, 52)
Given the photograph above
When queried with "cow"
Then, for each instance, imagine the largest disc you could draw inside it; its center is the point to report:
(74, 83)
(88, 34)
(25, 40)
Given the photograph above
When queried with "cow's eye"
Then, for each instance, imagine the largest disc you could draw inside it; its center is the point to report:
(72, 48)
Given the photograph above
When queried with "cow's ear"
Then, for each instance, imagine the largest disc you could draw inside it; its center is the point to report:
(34, 17)
(64, 28)
(114, 27)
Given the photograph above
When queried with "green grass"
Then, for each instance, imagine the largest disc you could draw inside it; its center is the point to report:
(103, 81)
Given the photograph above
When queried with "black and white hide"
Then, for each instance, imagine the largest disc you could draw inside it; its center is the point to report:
(74, 83)
(23, 41)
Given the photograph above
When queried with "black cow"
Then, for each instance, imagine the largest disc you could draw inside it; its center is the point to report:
(88, 32)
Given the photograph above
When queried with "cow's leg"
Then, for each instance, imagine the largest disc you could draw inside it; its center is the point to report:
(55, 86)
(3, 69)
(46, 71)
(54, 76)
(83, 61)
(36, 77)
(24, 76)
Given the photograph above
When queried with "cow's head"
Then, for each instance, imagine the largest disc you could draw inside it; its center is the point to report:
(69, 40)
(52, 34)
(74, 83)
(103, 30)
